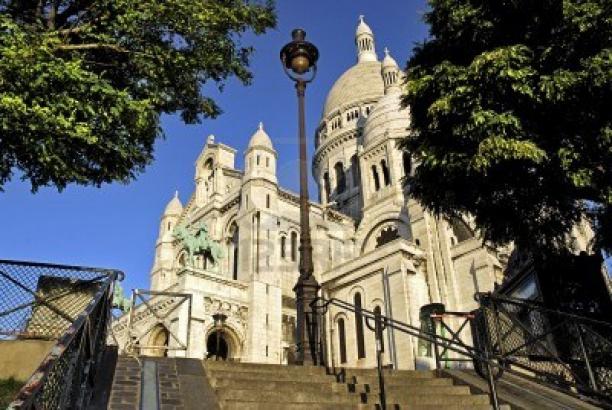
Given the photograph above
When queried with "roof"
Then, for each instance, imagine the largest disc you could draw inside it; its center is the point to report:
(261, 139)
(361, 82)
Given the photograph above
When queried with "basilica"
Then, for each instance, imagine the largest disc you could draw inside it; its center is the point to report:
(374, 246)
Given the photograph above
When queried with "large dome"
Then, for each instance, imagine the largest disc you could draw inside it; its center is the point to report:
(388, 118)
(361, 82)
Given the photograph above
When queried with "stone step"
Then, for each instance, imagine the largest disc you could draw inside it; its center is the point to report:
(438, 400)
(270, 376)
(262, 368)
(221, 382)
(295, 396)
(285, 386)
(323, 397)
(242, 405)
(409, 390)
(223, 364)
(424, 381)
(389, 373)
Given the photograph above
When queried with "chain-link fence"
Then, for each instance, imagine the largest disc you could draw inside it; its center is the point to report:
(558, 348)
(65, 303)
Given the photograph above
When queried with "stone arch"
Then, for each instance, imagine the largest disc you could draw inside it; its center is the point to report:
(372, 239)
(158, 336)
(233, 337)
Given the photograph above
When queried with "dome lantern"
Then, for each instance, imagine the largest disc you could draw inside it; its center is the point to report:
(364, 39)
(391, 73)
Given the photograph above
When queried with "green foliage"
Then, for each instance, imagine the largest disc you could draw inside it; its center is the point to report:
(511, 104)
(83, 82)
(8, 390)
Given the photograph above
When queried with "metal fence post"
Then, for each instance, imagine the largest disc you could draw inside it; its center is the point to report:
(586, 358)
(381, 378)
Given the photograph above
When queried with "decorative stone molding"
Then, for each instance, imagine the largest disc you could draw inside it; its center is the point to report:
(234, 311)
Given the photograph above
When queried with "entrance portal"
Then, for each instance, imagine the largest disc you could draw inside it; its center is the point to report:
(211, 346)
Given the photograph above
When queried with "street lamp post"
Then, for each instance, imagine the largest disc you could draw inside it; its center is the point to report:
(299, 58)
(219, 319)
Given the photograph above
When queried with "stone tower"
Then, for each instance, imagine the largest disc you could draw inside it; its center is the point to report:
(349, 102)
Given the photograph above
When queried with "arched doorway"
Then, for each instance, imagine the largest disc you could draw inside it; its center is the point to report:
(211, 346)
(159, 337)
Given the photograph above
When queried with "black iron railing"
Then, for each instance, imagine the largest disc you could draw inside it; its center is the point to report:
(450, 341)
(69, 304)
(560, 349)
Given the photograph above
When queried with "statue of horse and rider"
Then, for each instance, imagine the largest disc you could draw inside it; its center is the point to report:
(198, 243)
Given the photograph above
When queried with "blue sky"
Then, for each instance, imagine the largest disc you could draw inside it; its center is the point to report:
(116, 226)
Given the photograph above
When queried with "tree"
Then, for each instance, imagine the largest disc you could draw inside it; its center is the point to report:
(83, 82)
(511, 104)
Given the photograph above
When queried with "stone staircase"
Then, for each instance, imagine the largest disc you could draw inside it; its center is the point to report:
(272, 387)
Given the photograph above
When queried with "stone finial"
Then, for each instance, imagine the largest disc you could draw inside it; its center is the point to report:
(261, 127)
(210, 139)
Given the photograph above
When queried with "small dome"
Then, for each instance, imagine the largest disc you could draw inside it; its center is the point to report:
(389, 61)
(388, 118)
(360, 82)
(174, 207)
(363, 28)
(261, 139)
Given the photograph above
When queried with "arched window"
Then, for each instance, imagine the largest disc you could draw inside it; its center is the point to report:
(407, 163)
(377, 315)
(267, 162)
(342, 340)
(385, 171)
(355, 170)
(293, 246)
(387, 234)
(283, 244)
(375, 177)
(359, 327)
(258, 158)
(326, 186)
(268, 201)
(340, 178)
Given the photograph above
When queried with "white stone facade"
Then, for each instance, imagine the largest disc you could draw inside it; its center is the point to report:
(364, 229)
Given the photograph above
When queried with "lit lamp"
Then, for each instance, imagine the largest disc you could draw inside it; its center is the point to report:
(219, 320)
(299, 59)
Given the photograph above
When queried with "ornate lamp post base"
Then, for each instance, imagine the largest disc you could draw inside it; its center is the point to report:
(306, 291)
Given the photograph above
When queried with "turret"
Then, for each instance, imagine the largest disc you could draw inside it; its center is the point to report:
(161, 276)
(260, 157)
(391, 73)
(364, 39)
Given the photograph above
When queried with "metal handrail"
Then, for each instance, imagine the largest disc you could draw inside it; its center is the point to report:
(492, 326)
(320, 306)
(66, 376)
(554, 346)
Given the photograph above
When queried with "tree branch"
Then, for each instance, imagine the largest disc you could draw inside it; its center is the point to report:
(92, 46)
